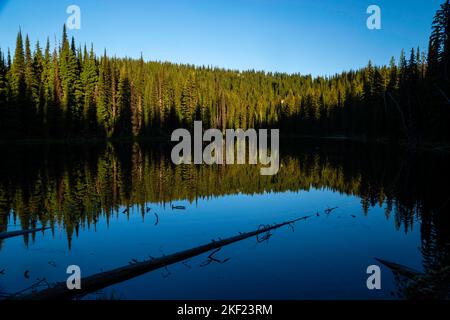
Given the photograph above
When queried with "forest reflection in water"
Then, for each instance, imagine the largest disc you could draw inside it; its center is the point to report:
(74, 187)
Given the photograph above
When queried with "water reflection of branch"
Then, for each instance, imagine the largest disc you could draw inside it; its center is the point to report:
(212, 259)
(10, 234)
(126, 210)
(292, 226)
(157, 219)
(264, 236)
(166, 272)
(329, 210)
(41, 282)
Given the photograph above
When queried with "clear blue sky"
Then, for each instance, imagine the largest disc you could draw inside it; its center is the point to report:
(320, 37)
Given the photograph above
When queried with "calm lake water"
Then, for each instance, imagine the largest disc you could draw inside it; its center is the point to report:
(109, 204)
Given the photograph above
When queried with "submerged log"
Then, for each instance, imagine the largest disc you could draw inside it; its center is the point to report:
(433, 284)
(400, 269)
(105, 279)
(10, 234)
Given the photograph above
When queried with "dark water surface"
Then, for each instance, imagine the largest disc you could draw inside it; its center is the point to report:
(391, 204)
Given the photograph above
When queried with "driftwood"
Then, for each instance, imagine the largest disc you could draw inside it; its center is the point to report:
(104, 279)
(10, 234)
(400, 269)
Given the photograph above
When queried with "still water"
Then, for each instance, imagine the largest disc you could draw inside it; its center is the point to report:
(109, 205)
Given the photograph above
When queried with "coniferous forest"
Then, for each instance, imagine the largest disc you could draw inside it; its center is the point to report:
(64, 90)
(88, 177)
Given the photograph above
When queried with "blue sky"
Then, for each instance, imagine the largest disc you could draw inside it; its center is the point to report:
(319, 37)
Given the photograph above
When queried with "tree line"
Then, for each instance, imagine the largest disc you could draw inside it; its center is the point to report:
(69, 91)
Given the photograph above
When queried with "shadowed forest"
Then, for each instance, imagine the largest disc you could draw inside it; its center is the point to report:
(65, 91)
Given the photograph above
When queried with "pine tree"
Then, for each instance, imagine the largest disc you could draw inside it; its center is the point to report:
(189, 101)
(15, 112)
(446, 43)
(18, 69)
(4, 92)
(402, 69)
(8, 60)
(378, 117)
(413, 70)
(77, 106)
(89, 79)
(70, 83)
(37, 90)
(124, 104)
(57, 126)
(47, 89)
(393, 76)
(104, 98)
(28, 69)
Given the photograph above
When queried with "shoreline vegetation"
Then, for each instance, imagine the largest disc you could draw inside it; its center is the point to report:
(66, 91)
(165, 140)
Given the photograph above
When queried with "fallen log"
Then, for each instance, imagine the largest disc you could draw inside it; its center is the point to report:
(432, 285)
(400, 269)
(10, 234)
(105, 279)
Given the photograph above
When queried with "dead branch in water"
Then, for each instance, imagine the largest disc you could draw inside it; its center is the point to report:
(329, 210)
(400, 269)
(211, 259)
(433, 284)
(10, 234)
(105, 279)
(260, 238)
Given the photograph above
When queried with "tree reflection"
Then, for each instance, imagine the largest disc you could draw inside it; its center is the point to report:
(73, 187)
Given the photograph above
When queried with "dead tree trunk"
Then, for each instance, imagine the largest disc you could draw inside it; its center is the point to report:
(104, 279)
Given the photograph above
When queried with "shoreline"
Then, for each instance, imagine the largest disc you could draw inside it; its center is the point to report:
(165, 139)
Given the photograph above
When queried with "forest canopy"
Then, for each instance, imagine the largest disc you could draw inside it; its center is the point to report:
(66, 91)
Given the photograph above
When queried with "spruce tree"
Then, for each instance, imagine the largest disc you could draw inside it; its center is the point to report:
(15, 112)
(37, 89)
(104, 98)
(4, 92)
(124, 104)
(89, 79)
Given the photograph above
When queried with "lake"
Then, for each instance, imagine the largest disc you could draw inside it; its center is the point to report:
(111, 205)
